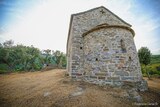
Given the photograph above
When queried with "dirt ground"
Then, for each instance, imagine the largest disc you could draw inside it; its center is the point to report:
(53, 89)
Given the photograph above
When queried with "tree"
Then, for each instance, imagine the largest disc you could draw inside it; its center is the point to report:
(48, 56)
(60, 59)
(28, 58)
(64, 60)
(6, 54)
(1, 45)
(144, 55)
(33, 59)
(19, 57)
(8, 43)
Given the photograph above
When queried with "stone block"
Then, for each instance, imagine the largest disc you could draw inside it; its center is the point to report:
(108, 81)
(111, 70)
(101, 78)
(121, 73)
(117, 56)
(93, 77)
(104, 69)
(113, 78)
(73, 77)
(127, 78)
(101, 74)
(79, 74)
(73, 73)
(76, 58)
(73, 66)
(111, 66)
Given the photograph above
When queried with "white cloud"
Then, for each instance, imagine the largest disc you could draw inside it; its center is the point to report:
(47, 24)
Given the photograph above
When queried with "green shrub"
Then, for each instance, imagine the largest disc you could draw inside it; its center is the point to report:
(154, 69)
(3, 68)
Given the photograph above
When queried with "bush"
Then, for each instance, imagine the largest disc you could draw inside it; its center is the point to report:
(154, 69)
(3, 68)
(28, 58)
(19, 67)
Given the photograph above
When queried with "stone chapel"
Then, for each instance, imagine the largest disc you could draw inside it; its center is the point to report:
(101, 48)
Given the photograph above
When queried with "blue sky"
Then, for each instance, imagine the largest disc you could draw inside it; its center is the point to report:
(45, 23)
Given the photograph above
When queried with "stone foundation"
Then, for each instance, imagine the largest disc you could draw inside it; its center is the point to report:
(138, 85)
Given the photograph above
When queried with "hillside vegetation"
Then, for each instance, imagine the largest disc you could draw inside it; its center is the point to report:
(17, 58)
(153, 67)
(28, 58)
(155, 59)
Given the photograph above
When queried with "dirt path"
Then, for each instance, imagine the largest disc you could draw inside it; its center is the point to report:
(154, 83)
(53, 89)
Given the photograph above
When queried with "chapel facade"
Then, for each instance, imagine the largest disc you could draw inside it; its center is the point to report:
(101, 48)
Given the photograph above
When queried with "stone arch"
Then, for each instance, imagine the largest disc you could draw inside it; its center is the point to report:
(105, 25)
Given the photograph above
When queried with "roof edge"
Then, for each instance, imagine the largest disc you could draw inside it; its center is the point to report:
(70, 24)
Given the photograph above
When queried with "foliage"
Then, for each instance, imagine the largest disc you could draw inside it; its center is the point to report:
(3, 68)
(150, 64)
(144, 55)
(60, 59)
(25, 58)
(155, 59)
(56, 57)
(8, 43)
(153, 69)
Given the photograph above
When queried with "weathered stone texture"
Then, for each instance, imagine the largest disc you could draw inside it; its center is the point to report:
(101, 48)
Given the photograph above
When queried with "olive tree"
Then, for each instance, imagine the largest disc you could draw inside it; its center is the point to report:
(144, 55)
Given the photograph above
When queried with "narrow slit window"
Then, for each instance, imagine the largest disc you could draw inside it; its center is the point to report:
(123, 46)
(80, 47)
(96, 59)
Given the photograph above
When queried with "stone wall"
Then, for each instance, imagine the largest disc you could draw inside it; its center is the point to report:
(100, 47)
(110, 55)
